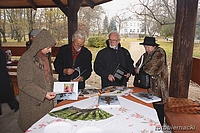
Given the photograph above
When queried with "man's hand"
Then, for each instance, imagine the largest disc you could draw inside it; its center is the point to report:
(50, 95)
(68, 71)
(111, 78)
(137, 70)
(127, 75)
(79, 79)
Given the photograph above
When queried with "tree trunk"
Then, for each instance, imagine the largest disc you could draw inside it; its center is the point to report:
(183, 48)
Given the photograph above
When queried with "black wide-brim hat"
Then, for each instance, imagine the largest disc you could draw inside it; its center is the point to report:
(150, 41)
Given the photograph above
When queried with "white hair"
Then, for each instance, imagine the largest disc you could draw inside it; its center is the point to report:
(79, 34)
(115, 33)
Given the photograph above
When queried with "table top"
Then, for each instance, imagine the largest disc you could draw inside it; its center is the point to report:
(132, 116)
(135, 90)
(182, 122)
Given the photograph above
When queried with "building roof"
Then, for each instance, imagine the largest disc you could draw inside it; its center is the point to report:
(45, 3)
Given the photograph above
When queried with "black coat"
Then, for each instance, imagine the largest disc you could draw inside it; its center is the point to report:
(64, 60)
(107, 60)
(6, 90)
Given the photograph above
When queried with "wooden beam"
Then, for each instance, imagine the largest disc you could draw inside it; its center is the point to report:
(73, 7)
(183, 48)
(62, 7)
(90, 3)
(32, 3)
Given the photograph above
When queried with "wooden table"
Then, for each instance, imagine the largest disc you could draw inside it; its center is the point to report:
(136, 89)
(130, 117)
(182, 122)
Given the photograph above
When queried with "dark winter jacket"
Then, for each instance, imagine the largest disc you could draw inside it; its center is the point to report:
(33, 84)
(6, 90)
(107, 60)
(157, 68)
(64, 60)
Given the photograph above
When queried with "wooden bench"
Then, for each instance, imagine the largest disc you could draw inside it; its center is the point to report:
(182, 122)
(18, 51)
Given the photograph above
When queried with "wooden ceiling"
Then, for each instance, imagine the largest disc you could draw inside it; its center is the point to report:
(45, 3)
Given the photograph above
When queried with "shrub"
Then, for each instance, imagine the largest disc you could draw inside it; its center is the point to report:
(97, 41)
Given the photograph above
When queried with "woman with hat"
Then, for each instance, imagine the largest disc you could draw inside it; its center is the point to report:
(155, 64)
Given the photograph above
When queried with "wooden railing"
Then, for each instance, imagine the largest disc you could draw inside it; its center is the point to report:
(185, 119)
(195, 77)
(19, 50)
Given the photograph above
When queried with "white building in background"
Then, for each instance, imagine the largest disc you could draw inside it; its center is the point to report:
(132, 27)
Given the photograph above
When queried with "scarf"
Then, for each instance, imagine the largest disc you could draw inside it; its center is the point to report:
(46, 65)
(74, 55)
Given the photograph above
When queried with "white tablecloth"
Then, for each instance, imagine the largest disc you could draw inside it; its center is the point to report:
(131, 117)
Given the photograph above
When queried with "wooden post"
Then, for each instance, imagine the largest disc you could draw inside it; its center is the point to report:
(73, 7)
(183, 48)
(71, 13)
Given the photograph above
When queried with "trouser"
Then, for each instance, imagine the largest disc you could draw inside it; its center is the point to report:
(160, 112)
(0, 109)
(14, 104)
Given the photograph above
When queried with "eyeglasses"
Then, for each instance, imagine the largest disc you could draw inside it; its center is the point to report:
(113, 40)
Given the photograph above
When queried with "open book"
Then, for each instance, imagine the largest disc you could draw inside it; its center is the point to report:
(66, 90)
(108, 101)
(146, 97)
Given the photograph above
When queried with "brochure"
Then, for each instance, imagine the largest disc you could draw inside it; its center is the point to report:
(66, 90)
(119, 73)
(89, 92)
(108, 101)
(146, 97)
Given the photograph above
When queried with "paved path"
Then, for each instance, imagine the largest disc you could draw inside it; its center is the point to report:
(136, 51)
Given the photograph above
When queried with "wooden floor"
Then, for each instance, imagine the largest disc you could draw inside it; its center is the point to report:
(8, 120)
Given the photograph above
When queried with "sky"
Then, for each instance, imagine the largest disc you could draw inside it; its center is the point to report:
(115, 6)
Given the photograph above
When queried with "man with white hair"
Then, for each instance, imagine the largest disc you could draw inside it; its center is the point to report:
(109, 58)
(74, 61)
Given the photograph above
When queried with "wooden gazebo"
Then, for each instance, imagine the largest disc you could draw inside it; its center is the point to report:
(68, 7)
(182, 68)
(183, 36)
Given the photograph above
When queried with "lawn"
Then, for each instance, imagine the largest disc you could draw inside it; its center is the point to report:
(125, 43)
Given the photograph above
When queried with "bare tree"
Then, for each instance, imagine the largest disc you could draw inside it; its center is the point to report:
(91, 18)
(16, 23)
(120, 18)
(154, 14)
(2, 25)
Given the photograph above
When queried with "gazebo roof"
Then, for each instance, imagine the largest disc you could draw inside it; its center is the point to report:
(45, 3)
(68, 7)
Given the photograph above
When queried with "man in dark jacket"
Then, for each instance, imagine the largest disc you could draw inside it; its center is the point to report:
(108, 60)
(73, 61)
(33, 33)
